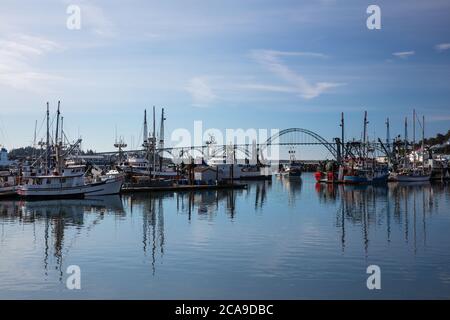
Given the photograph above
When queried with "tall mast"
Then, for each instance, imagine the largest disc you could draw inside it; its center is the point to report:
(57, 125)
(145, 128)
(161, 138)
(62, 130)
(161, 130)
(414, 138)
(364, 137)
(406, 140)
(423, 141)
(388, 135)
(342, 134)
(57, 145)
(154, 127)
(48, 140)
(154, 142)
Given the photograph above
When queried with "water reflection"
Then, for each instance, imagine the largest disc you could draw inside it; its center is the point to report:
(279, 231)
(371, 207)
(57, 216)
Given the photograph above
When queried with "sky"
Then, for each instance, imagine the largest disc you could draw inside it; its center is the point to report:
(231, 64)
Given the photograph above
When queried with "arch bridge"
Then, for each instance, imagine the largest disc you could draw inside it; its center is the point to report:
(286, 137)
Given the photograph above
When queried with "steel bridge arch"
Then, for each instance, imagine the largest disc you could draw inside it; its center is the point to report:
(330, 146)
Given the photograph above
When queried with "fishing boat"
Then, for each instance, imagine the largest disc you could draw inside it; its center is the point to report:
(65, 181)
(135, 166)
(358, 176)
(417, 175)
(413, 173)
(71, 182)
(295, 167)
(151, 163)
(380, 175)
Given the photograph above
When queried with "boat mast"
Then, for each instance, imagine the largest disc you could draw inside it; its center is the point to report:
(154, 142)
(406, 140)
(414, 139)
(161, 138)
(57, 125)
(423, 142)
(364, 139)
(388, 135)
(144, 144)
(47, 164)
(57, 145)
(342, 135)
(62, 131)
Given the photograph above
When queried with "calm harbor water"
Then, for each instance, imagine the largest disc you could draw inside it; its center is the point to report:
(285, 239)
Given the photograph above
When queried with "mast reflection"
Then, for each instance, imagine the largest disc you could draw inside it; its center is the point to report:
(58, 216)
(372, 207)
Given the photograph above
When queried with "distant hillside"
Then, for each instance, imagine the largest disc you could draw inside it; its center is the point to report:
(440, 142)
(21, 153)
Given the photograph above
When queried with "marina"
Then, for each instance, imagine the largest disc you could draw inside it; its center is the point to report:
(58, 171)
(224, 159)
(204, 218)
(272, 240)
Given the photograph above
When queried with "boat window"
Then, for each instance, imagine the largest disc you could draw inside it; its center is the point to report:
(48, 181)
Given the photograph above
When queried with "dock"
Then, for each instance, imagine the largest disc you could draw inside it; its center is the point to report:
(131, 188)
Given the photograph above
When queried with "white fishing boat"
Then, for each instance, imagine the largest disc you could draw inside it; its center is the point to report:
(141, 167)
(65, 181)
(239, 171)
(70, 183)
(414, 173)
(152, 163)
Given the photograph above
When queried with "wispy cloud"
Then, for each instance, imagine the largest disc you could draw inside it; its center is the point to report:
(442, 47)
(17, 54)
(271, 60)
(403, 54)
(201, 92)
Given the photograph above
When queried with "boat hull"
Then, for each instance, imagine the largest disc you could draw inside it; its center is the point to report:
(146, 172)
(408, 178)
(8, 192)
(107, 187)
(355, 180)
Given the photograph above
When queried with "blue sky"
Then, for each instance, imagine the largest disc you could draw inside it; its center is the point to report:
(231, 64)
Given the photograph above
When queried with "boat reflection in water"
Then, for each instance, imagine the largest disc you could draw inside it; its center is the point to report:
(282, 239)
(57, 216)
(405, 205)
